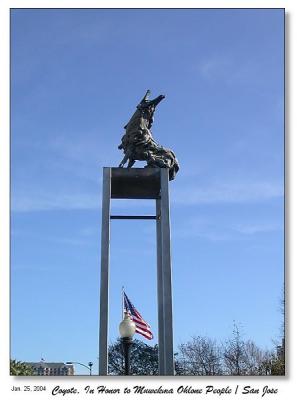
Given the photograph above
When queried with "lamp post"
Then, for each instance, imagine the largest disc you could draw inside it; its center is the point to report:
(89, 366)
(127, 329)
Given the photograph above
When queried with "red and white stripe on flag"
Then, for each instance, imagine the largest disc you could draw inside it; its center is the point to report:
(142, 327)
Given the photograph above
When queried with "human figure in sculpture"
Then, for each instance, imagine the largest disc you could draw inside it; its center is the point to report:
(138, 142)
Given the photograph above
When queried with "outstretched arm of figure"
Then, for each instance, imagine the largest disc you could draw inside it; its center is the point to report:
(157, 100)
(146, 96)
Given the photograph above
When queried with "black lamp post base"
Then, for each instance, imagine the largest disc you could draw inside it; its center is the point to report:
(126, 343)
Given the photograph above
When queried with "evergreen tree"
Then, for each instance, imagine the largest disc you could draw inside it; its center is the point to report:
(20, 368)
(144, 359)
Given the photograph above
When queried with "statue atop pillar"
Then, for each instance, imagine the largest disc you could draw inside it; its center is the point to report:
(138, 142)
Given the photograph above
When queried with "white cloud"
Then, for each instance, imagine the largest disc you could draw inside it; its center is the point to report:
(254, 228)
(218, 231)
(226, 68)
(181, 195)
(49, 202)
(216, 193)
(215, 66)
(32, 200)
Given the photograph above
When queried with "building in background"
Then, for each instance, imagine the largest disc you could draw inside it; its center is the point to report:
(51, 368)
(280, 351)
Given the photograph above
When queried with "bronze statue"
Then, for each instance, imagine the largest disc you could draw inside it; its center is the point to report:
(138, 143)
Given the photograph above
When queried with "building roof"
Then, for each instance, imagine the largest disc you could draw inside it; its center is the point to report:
(44, 364)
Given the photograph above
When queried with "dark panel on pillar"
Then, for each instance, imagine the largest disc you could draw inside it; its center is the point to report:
(135, 183)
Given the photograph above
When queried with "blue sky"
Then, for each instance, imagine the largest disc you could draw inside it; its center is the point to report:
(76, 77)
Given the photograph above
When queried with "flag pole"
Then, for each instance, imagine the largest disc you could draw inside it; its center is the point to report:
(122, 302)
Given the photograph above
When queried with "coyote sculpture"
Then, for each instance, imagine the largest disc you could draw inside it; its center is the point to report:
(139, 144)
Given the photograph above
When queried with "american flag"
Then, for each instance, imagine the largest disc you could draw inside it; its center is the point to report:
(142, 327)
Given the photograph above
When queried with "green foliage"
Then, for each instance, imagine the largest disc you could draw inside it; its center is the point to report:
(144, 359)
(278, 367)
(20, 368)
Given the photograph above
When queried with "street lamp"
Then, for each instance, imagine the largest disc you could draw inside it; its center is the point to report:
(127, 329)
(89, 366)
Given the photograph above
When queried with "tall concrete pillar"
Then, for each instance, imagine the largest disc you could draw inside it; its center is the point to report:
(139, 183)
(104, 283)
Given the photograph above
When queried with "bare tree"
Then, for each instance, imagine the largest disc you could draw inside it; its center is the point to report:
(234, 354)
(200, 356)
(258, 361)
(245, 357)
